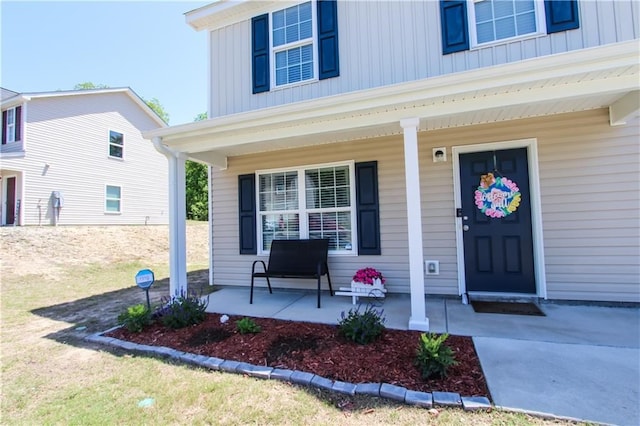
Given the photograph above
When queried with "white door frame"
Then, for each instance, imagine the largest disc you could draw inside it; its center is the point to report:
(536, 207)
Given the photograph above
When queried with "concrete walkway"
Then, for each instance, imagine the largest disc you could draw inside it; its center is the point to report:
(578, 361)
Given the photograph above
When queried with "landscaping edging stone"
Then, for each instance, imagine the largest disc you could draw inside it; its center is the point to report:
(383, 390)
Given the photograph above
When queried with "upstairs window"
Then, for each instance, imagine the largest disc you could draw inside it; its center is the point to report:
(113, 199)
(293, 45)
(116, 144)
(474, 23)
(501, 19)
(292, 35)
(11, 122)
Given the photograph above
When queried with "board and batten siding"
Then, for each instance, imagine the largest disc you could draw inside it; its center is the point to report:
(389, 42)
(590, 194)
(67, 151)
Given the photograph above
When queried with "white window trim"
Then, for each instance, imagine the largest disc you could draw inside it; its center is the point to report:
(119, 212)
(11, 128)
(302, 212)
(541, 26)
(109, 145)
(314, 48)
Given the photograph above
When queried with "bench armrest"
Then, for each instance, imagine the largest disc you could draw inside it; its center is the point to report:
(253, 266)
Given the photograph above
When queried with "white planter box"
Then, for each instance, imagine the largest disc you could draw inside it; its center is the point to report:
(357, 290)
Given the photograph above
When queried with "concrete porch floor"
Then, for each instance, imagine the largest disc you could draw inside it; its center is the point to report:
(580, 361)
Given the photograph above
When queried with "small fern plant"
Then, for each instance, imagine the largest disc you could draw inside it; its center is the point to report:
(362, 327)
(247, 325)
(434, 357)
(135, 318)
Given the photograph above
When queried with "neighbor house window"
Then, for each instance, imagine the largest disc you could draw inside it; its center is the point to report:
(113, 199)
(492, 20)
(116, 144)
(292, 44)
(311, 202)
(11, 125)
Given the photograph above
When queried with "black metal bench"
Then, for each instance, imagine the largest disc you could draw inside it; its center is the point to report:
(295, 259)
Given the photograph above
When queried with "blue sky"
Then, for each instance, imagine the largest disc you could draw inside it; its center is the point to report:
(145, 45)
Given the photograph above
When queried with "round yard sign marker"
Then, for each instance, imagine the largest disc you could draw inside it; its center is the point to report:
(144, 279)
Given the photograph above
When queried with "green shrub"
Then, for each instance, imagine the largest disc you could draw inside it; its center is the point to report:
(247, 325)
(135, 318)
(182, 311)
(433, 357)
(362, 327)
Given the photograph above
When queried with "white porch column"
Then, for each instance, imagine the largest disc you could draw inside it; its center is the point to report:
(418, 319)
(177, 220)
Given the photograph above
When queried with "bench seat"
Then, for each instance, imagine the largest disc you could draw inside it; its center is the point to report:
(303, 259)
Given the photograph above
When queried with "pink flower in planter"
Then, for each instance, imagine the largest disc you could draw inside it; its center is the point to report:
(367, 276)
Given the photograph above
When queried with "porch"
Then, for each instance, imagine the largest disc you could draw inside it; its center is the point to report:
(564, 322)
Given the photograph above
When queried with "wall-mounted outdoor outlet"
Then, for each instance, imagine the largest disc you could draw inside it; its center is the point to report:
(432, 267)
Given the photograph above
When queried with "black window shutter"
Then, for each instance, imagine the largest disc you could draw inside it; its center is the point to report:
(247, 213)
(4, 127)
(367, 208)
(453, 20)
(562, 15)
(260, 53)
(328, 39)
(18, 123)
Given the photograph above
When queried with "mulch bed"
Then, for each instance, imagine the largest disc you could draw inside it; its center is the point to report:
(318, 349)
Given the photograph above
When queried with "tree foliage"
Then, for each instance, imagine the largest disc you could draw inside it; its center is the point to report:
(197, 186)
(87, 85)
(201, 117)
(157, 107)
(197, 183)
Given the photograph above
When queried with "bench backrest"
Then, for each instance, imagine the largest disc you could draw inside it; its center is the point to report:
(297, 257)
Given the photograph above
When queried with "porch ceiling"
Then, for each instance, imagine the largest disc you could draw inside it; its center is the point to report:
(602, 77)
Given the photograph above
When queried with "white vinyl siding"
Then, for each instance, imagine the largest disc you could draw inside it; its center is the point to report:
(67, 145)
(389, 42)
(590, 191)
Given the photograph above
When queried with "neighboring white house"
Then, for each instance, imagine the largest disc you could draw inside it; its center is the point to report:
(79, 158)
(496, 142)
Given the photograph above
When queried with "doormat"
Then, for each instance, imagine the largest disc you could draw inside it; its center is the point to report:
(509, 308)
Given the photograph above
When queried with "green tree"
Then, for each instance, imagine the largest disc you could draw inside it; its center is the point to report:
(157, 107)
(197, 186)
(87, 85)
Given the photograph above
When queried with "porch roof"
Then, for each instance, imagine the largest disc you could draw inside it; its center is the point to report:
(600, 77)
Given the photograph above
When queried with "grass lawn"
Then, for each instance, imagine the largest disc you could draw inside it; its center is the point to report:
(50, 375)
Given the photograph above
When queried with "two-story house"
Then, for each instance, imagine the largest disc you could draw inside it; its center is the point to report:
(79, 158)
(494, 141)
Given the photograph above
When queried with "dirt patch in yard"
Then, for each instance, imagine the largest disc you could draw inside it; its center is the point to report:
(46, 250)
